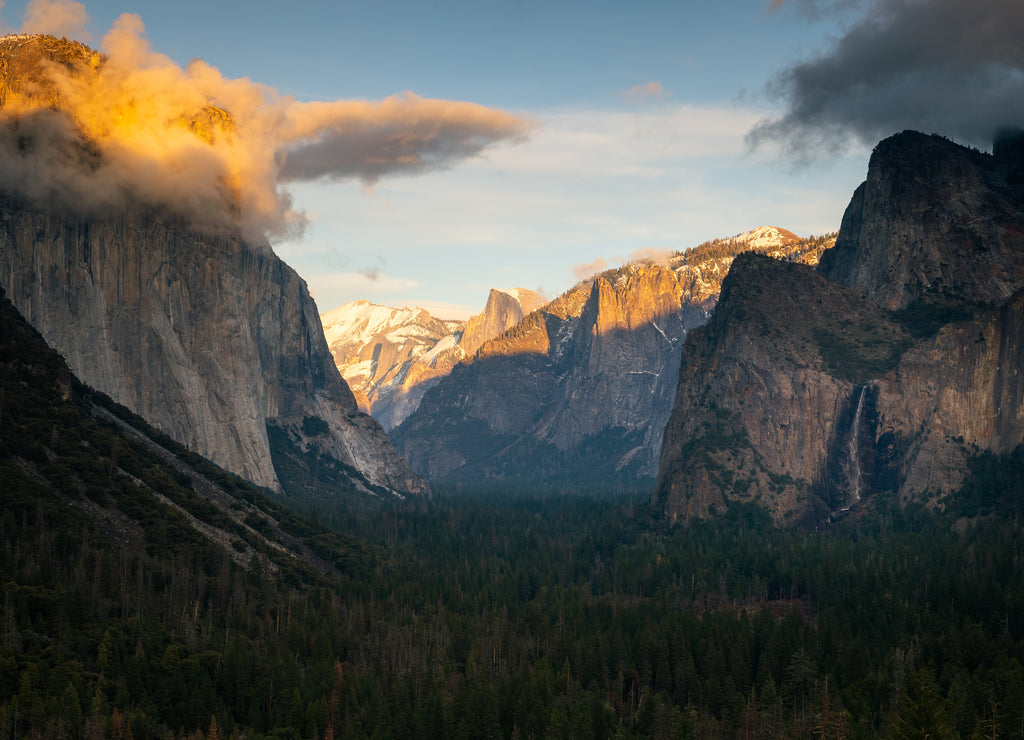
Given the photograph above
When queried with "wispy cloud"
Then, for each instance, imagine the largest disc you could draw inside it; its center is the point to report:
(652, 255)
(589, 269)
(359, 285)
(645, 93)
(619, 143)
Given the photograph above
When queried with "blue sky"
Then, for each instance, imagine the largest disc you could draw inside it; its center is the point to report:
(638, 119)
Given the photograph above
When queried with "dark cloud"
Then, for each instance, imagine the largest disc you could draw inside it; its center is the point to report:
(373, 272)
(953, 67)
(401, 134)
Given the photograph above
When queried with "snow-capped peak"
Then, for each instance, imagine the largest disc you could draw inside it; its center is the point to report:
(765, 237)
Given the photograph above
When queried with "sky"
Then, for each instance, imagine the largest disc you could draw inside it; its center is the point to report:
(424, 152)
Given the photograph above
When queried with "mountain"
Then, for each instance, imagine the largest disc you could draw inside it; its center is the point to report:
(391, 356)
(578, 392)
(94, 470)
(206, 334)
(889, 369)
(504, 309)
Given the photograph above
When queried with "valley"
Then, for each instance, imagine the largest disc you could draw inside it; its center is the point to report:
(768, 486)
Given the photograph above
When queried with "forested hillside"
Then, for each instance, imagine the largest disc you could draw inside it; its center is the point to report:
(146, 594)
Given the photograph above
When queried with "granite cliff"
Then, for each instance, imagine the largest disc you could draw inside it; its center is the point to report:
(768, 391)
(504, 309)
(578, 392)
(887, 370)
(206, 334)
(214, 341)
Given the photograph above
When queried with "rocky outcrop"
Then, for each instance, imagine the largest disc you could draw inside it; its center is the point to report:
(388, 355)
(957, 393)
(577, 393)
(208, 338)
(808, 396)
(934, 221)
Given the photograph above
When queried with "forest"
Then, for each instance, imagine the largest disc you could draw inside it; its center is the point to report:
(147, 594)
(511, 616)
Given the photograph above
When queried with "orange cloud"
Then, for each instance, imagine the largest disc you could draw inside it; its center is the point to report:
(130, 124)
(643, 93)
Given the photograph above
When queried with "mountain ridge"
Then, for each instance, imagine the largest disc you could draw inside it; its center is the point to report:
(578, 392)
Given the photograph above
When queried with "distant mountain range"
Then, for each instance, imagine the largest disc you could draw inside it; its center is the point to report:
(390, 356)
(577, 393)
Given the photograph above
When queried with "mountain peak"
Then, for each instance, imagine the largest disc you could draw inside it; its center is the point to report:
(504, 309)
(933, 222)
(764, 237)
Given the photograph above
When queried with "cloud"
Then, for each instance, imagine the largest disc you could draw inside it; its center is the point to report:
(589, 269)
(649, 142)
(359, 283)
(644, 93)
(56, 17)
(943, 66)
(403, 133)
(651, 255)
(371, 273)
(132, 125)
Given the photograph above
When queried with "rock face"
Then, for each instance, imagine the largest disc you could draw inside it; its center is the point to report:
(933, 221)
(768, 392)
(504, 309)
(391, 356)
(208, 338)
(951, 396)
(211, 338)
(808, 394)
(578, 392)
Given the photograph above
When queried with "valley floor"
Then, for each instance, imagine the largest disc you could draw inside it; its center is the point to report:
(516, 616)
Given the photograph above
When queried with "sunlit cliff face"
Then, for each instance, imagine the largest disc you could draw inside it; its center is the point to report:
(100, 131)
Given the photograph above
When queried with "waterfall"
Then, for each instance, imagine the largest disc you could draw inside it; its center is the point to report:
(854, 447)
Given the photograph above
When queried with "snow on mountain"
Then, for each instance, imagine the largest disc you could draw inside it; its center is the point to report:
(390, 356)
(765, 237)
(361, 322)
